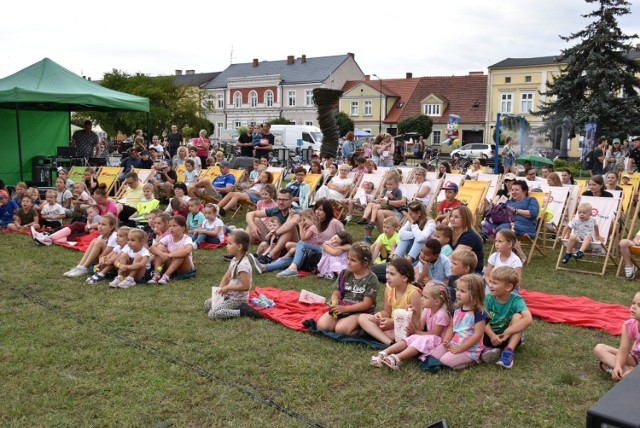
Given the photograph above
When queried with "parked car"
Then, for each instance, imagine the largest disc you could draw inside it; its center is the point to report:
(475, 151)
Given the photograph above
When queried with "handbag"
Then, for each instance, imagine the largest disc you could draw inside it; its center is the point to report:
(499, 213)
(310, 260)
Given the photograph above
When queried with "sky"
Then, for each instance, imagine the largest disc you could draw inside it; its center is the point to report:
(426, 38)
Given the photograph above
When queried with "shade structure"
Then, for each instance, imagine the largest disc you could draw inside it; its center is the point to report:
(48, 87)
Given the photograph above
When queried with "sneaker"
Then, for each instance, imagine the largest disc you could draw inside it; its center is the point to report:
(95, 278)
(578, 255)
(76, 272)
(330, 276)
(164, 280)
(222, 211)
(362, 221)
(287, 272)
(369, 226)
(127, 282)
(116, 281)
(491, 355)
(566, 258)
(247, 311)
(506, 358)
(257, 266)
(227, 257)
(155, 279)
(265, 259)
(630, 272)
(367, 239)
(43, 239)
(348, 218)
(33, 232)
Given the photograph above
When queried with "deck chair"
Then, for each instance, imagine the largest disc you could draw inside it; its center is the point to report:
(478, 184)
(143, 176)
(409, 190)
(238, 174)
(312, 180)
(495, 180)
(76, 173)
(557, 206)
(607, 212)
(472, 198)
(456, 178)
(630, 228)
(108, 176)
(180, 170)
(432, 174)
(583, 183)
(534, 243)
(277, 175)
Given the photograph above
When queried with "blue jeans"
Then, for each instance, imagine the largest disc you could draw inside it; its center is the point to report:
(411, 247)
(386, 164)
(200, 237)
(280, 264)
(300, 247)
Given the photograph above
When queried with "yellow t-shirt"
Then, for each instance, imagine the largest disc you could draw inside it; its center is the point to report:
(390, 297)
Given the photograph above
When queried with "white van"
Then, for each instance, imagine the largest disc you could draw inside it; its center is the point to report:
(288, 136)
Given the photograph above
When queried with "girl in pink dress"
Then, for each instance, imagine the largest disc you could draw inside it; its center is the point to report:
(618, 362)
(334, 255)
(424, 337)
(173, 253)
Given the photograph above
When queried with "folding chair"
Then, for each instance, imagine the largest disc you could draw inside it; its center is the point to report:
(478, 184)
(312, 180)
(473, 198)
(108, 176)
(238, 174)
(630, 227)
(495, 180)
(454, 178)
(76, 173)
(606, 212)
(409, 190)
(542, 199)
(557, 205)
(143, 176)
(180, 170)
(277, 174)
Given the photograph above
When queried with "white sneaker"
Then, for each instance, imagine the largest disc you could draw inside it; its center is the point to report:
(348, 218)
(255, 263)
(76, 272)
(630, 272)
(127, 282)
(163, 280)
(115, 282)
(194, 245)
(43, 239)
(33, 232)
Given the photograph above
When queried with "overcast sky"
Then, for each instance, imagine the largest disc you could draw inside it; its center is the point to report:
(388, 38)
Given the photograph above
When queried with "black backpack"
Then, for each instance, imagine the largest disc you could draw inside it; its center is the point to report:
(310, 260)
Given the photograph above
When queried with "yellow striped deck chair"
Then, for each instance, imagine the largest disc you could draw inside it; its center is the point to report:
(76, 173)
(542, 199)
(180, 170)
(108, 176)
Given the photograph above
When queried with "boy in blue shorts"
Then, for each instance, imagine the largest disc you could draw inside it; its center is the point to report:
(509, 318)
(7, 208)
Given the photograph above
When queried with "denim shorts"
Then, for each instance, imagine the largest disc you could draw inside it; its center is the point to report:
(254, 197)
(508, 162)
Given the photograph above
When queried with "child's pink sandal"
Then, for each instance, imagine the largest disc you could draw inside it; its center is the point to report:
(378, 360)
(392, 361)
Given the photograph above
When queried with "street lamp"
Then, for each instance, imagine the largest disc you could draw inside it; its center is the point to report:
(380, 121)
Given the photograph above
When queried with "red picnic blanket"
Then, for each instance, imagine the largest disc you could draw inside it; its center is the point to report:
(81, 242)
(288, 311)
(580, 311)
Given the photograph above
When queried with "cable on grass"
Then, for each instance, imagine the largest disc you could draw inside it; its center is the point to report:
(134, 343)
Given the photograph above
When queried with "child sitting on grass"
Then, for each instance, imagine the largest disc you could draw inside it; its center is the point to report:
(236, 282)
(509, 317)
(174, 252)
(106, 263)
(334, 255)
(195, 218)
(34, 193)
(71, 232)
(25, 217)
(619, 362)
(354, 293)
(147, 204)
(52, 213)
(506, 255)
(444, 235)
(433, 265)
(271, 238)
(133, 262)
(387, 241)
(584, 229)
(7, 208)
(463, 262)
(426, 335)
(212, 228)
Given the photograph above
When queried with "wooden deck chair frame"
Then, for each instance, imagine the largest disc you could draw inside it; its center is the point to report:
(456, 178)
(542, 199)
(312, 180)
(557, 205)
(143, 175)
(496, 182)
(277, 174)
(76, 173)
(635, 250)
(108, 176)
(478, 184)
(472, 198)
(608, 228)
(180, 170)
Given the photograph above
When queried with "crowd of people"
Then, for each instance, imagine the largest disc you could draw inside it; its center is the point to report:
(464, 308)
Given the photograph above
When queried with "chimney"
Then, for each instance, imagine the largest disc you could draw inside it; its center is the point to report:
(190, 72)
(352, 55)
(290, 60)
(303, 59)
(409, 75)
(255, 62)
(178, 72)
(367, 77)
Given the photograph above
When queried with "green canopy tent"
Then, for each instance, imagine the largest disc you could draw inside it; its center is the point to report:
(35, 108)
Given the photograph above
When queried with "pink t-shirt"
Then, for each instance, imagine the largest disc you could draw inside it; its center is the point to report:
(633, 333)
(261, 205)
(172, 245)
(111, 208)
(314, 236)
(334, 227)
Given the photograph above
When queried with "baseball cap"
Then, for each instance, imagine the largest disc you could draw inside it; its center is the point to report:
(616, 141)
(510, 176)
(636, 138)
(625, 175)
(224, 163)
(4, 194)
(450, 185)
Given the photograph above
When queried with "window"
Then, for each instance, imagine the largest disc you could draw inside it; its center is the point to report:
(220, 99)
(268, 96)
(219, 126)
(506, 102)
(354, 108)
(527, 79)
(291, 97)
(368, 108)
(237, 124)
(253, 98)
(308, 97)
(432, 109)
(526, 102)
(435, 137)
(237, 99)
(308, 123)
(507, 80)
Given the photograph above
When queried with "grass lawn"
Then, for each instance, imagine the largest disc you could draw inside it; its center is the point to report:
(79, 355)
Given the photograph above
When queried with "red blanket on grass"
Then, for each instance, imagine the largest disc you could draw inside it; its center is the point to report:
(288, 311)
(82, 242)
(209, 246)
(580, 311)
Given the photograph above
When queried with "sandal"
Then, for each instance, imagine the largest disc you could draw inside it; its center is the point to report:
(605, 369)
(392, 361)
(378, 360)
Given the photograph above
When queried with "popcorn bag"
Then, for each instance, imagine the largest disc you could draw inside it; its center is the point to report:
(401, 320)
(309, 297)
(216, 297)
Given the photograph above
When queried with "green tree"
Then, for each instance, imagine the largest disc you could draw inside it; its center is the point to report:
(420, 123)
(169, 103)
(599, 81)
(344, 122)
(281, 121)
